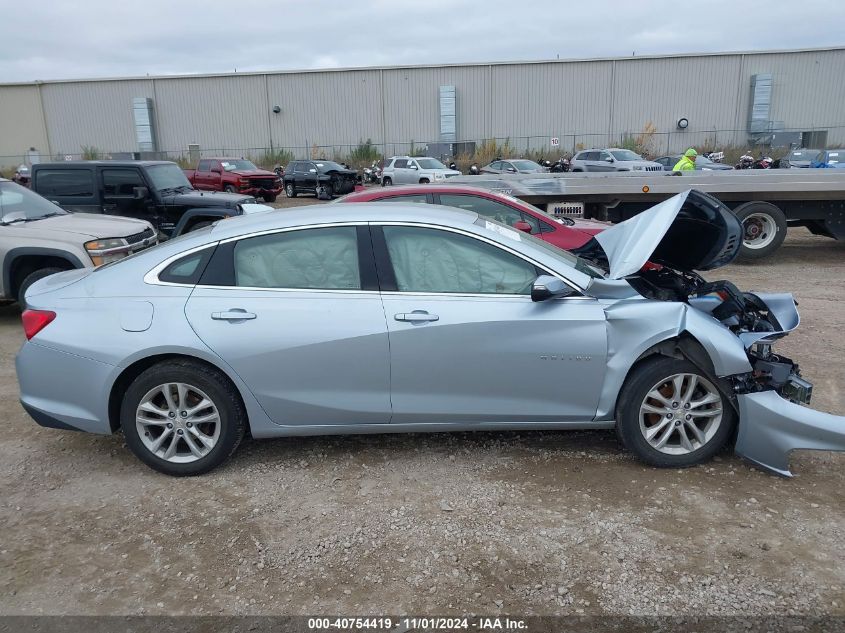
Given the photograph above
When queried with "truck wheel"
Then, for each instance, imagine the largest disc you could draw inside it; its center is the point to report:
(290, 192)
(763, 229)
(269, 197)
(31, 278)
(230, 189)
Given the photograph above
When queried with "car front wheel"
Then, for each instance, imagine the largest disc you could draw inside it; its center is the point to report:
(671, 415)
(182, 418)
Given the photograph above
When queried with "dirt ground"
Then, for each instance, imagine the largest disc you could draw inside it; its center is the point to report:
(490, 523)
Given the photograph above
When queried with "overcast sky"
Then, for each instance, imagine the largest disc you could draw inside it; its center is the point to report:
(59, 39)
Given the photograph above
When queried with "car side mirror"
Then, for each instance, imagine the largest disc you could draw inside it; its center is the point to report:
(547, 287)
(313, 171)
(412, 167)
(609, 159)
(522, 225)
(512, 170)
(140, 193)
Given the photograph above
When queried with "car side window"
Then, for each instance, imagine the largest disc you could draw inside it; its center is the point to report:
(411, 197)
(323, 259)
(67, 183)
(496, 164)
(400, 163)
(435, 261)
(484, 207)
(121, 183)
(604, 155)
(188, 269)
(204, 165)
(590, 156)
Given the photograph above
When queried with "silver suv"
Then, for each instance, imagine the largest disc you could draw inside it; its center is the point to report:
(39, 238)
(612, 159)
(407, 170)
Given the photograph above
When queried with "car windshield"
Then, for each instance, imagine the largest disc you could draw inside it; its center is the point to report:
(232, 165)
(835, 156)
(20, 204)
(625, 154)
(328, 165)
(703, 160)
(567, 258)
(525, 165)
(430, 163)
(804, 154)
(168, 176)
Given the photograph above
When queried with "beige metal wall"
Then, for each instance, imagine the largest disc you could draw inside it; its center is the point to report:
(21, 126)
(589, 103)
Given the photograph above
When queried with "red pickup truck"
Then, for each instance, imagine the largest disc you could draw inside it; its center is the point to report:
(235, 175)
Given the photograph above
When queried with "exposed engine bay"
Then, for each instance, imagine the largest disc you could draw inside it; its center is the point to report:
(747, 315)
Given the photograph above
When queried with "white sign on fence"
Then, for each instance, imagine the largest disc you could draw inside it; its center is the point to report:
(555, 141)
(68, 157)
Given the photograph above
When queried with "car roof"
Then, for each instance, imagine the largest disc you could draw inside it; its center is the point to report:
(110, 163)
(330, 213)
(376, 193)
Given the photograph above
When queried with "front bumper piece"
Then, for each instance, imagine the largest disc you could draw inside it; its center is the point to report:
(771, 426)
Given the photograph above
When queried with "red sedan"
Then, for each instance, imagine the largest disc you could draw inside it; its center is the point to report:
(496, 206)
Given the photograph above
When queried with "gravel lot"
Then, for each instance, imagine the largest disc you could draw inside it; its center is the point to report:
(528, 523)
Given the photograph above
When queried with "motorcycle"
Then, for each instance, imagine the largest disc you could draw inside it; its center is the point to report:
(279, 171)
(453, 165)
(764, 162)
(716, 157)
(560, 165)
(372, 174)
(23, 176)
(746, 161)
(474, 170)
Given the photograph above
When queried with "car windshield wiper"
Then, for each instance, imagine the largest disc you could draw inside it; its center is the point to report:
(8, 222)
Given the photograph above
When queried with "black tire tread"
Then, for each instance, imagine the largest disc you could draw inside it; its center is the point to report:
(34, 276)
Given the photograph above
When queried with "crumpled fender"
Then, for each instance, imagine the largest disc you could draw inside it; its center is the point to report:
(770, 427)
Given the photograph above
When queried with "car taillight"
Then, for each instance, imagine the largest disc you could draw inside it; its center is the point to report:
(35, 320)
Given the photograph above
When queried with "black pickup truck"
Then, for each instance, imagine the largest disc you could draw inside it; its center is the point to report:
(155, 191)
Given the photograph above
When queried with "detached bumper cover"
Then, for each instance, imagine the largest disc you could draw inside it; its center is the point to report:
(770, 427)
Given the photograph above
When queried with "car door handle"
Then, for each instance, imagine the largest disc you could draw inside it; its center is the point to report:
(235, 314)
(417, 316)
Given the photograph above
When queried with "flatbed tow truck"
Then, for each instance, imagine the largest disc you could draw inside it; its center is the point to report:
(767, 201)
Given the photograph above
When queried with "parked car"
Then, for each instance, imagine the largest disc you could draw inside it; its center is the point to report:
(489, 204)
(829, 158)
(155, 191)
(38, 238)
(702, 163)
(407, 170)
(235, 175)
(612, 159)
(324, 178)
(513, 166)
(800, 158)
(275, 323)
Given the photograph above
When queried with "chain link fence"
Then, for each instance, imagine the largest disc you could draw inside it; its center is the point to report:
(549, 146)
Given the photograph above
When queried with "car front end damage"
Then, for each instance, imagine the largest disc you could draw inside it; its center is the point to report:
(737, 330)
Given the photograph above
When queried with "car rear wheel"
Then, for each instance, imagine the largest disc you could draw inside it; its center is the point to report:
(424, 181)
(386, 181)
(290, 191)
(672, 415)
(763, 229)
(182, 418)
(324, 191)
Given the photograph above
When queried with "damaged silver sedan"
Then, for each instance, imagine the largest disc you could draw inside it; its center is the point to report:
(375, 318)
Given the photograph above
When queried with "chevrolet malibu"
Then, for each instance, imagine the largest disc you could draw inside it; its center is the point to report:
(372, 318)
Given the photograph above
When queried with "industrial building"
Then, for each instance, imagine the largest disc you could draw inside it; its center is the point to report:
(698, 99)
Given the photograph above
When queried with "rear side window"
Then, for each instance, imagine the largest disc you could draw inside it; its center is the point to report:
(400, 163)
(188, 269)
(67, 183)
(323, 259)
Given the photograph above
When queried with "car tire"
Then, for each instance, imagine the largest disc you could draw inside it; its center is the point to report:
(763, 229)
(223, 427)
(230, 189)
(651, 394)
(424, 181)
(324, 192)
(386, 181)
(290, 190)
(269, 197)
(32, 277)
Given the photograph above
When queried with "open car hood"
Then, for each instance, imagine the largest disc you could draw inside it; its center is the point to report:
(689, 231)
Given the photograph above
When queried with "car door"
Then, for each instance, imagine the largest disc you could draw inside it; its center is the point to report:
(202, 175)
(125, 192)
(605, 162)
(297, 314)
(467, 343)
(309, 176)
(508, 168)
(400, 171)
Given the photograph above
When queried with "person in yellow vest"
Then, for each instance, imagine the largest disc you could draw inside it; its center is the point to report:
(687, 162)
